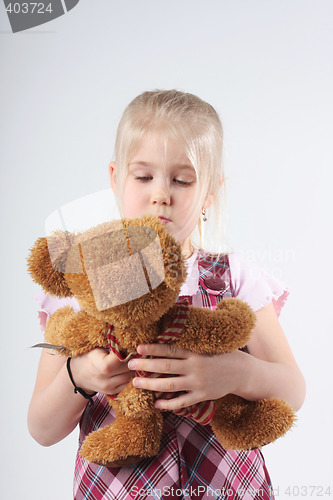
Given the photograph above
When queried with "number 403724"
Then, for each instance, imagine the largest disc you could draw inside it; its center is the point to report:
(312, 491)
(29, 8)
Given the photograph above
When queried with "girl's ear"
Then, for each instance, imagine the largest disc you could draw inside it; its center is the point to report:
(42, 271)
(209, 201)
(112, 173)
(210, 197)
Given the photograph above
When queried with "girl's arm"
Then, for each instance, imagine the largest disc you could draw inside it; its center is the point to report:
(269, 370)
(55, 409)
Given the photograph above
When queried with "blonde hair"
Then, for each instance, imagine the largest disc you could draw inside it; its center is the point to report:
(185, 119)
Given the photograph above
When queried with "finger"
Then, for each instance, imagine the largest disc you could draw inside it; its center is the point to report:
(107, 363)
(163, 351)
(168, 384)
(177, 403)
(166, 366)
(115, 384)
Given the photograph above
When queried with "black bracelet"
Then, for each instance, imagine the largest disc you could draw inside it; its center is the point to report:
(78, 389)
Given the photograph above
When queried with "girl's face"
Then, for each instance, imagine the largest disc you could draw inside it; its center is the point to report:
(161, 181)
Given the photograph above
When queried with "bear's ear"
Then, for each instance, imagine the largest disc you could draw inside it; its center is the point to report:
(43, 272)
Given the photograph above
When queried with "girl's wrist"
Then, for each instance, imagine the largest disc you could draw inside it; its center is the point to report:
(79, 390)
(74, 376)
(242, 378)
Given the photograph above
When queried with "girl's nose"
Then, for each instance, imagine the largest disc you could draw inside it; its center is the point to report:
(161, 196)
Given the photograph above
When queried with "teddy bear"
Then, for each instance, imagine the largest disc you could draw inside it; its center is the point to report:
(126, 275)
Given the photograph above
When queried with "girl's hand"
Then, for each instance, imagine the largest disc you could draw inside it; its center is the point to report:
(202, 377)
(268, 370)
(98, 371)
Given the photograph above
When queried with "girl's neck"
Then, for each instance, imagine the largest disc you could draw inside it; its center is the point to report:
(187, 249)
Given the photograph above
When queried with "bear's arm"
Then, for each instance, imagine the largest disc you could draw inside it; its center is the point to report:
(216, 332)
(78, 332)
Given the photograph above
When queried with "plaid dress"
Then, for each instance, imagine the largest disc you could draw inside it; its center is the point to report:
(191, 463)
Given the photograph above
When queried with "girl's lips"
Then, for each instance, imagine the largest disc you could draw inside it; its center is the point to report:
(163, 219)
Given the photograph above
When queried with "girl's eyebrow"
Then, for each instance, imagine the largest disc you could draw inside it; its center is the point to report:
(143, 163)
(182, 166)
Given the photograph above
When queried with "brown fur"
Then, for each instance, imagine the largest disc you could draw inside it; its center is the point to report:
(136, 432)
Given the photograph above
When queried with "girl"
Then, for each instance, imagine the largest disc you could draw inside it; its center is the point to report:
(168, 163)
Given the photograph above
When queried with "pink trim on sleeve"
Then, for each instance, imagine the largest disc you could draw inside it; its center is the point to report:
(49, 304)
(255, 286)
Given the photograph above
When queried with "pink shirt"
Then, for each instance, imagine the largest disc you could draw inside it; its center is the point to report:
(248, 282)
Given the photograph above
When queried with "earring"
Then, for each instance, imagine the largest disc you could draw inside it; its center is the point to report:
(204, 217)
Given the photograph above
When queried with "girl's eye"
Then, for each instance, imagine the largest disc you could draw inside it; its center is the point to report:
(182, 183)
(147, 178)
(143, 178)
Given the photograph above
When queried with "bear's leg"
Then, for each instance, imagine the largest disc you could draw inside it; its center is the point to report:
(124, 442)
(244, 425)
(134, 435)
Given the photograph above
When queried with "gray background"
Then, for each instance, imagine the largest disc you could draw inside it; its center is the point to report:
(267, 68)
